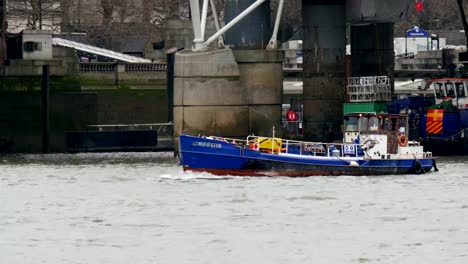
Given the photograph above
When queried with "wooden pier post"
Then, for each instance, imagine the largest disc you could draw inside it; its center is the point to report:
(170, 83)
(45, 109)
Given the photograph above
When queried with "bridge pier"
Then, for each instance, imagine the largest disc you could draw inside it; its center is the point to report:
(324, 48)
(228, 93)
(208, 97)
(261, 75)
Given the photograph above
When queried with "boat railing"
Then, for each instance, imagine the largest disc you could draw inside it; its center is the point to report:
(151, 126)
(308, 148)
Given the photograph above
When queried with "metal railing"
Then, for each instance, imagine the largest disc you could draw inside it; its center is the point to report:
(407, 55)
(106, 67)
(369, 89)
(98, 67)
(160, 127)
(305, 148)
(301, 148)
(145, 67)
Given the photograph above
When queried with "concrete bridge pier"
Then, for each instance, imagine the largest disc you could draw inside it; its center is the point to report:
(324, 49)
(208, 97)
(228, 93)
(261, 75)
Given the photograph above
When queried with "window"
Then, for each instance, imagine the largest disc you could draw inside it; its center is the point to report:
(31, 46)
(158, 45)
(374, 124)
(439, 91)
(363, 123)
(390, 124)
(460, 90)
(402, 124)
(351, 124)
(450, 90)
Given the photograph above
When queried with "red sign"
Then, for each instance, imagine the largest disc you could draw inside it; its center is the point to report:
(291, 115)
(434, 121)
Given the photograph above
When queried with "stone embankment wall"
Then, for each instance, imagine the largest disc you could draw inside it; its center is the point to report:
(80, 95)
(21, 123)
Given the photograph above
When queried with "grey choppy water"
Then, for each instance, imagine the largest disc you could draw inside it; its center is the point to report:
(141, 208)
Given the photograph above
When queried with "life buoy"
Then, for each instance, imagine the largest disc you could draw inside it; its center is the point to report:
(402, 140)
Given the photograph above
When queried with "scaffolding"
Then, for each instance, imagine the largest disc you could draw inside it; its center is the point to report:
(369, 89)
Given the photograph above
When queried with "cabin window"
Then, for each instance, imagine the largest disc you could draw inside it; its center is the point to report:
(402, 124)
(450, 90)
(460, 90)
(439, 91)
(351, 124)
(363, 122)
(382, 123)
(390, 124)
(373, 124)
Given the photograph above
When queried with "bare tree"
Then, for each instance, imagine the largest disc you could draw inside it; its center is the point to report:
(109, 21)
(33, 14)
(437, 15)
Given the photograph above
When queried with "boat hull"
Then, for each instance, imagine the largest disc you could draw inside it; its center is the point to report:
(220, 158)
(273, 169)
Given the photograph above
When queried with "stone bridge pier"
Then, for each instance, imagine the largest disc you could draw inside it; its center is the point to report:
(229, 93)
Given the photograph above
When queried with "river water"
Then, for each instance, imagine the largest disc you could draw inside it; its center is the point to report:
(141, 208)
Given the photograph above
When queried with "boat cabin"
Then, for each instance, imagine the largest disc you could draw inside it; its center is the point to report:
(378, 128)
(445, 89)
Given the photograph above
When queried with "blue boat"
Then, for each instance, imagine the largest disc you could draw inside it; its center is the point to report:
(373, 151)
